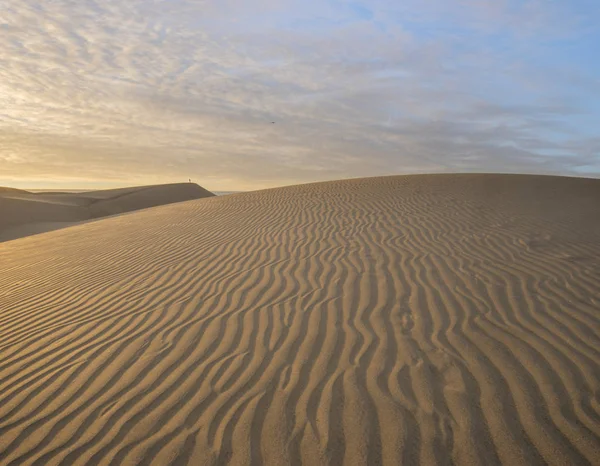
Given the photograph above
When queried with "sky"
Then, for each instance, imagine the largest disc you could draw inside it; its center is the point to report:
(107, 93)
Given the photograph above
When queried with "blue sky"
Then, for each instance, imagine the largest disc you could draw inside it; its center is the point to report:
(111, 93)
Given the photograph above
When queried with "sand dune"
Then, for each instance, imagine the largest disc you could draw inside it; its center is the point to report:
(4, 190)
(23, 213)
(439, 319)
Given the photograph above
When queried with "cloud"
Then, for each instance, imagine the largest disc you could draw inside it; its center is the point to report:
(143, 91)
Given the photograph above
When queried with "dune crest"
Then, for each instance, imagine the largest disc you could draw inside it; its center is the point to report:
(427, 319)
(23, 213)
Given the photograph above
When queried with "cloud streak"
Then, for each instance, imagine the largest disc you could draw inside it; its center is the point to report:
(137, 91)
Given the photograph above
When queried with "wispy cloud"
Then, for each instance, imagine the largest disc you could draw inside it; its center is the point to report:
(150, 91)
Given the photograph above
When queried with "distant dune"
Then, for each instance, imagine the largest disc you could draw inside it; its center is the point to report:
(428, 319)
(23, 213)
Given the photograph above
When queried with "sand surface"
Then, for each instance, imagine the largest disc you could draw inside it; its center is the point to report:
(435, 320)
(23, 213)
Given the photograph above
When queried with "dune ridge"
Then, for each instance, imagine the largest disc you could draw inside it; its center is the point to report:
(425, 319)
(23, 213)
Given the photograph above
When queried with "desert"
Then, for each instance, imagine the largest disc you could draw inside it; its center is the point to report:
(422, 319)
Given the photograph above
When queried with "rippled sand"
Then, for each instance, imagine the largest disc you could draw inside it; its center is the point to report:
(435, 319)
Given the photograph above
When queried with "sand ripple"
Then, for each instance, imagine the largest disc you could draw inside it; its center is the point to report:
(404, 320)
